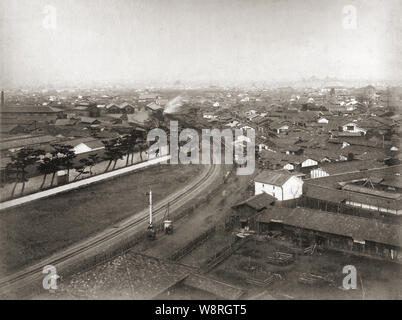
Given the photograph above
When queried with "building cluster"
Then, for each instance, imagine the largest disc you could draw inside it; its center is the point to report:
(83, 121)
(306, 131)
(356, 210)
(328, 159)
(330, 172)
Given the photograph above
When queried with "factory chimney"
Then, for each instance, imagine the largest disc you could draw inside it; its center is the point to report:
(2, 99)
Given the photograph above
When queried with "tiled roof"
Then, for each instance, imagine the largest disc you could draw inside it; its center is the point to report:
(6, 128)
(42, 109)
(94, 144)
(355, 227)
(328, 188)
(350, 166)
(88, 120)
(76, 142)
(379, 193)
(111, 105)
(257, 202)
(124, 105)
(64, 122)
(25, 142)
(153, 106)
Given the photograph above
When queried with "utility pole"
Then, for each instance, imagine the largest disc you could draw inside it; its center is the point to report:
(150, 207)
(151, 230)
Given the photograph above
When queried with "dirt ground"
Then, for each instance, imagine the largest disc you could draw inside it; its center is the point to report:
(187, 228)
(128, 276)
(201, 219)
(375, 279)
(67, 218)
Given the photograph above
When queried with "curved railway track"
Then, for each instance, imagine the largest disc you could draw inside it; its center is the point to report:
(108, 237)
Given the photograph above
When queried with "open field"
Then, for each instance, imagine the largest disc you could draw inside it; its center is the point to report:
(203, 217)
(67, 218)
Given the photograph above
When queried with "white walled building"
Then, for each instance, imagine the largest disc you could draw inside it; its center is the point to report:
(318, 173)
(209, 116)
(289, 166)
(309, 163)
(88, 146)
(353, 128)
(280, 184)
(323, 120)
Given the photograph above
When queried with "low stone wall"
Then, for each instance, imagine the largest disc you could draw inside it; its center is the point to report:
(34, 184)
(81, 183)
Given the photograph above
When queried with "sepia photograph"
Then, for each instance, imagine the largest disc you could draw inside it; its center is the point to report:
(200, 155)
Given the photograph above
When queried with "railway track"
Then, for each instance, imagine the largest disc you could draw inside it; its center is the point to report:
(11, 283)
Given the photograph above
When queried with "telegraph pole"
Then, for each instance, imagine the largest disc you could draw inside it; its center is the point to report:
(151, 230)
(150, 207)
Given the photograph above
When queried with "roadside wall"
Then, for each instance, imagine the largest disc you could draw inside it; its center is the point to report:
(34, 183)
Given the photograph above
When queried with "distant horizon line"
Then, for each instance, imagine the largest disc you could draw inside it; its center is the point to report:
(189, 86)
(326, 81)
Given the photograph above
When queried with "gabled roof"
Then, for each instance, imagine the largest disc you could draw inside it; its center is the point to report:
(361, 141)
(336, 108)
(155, 107)
(82, 108)
(257, 202)
(42, 109)
(89, 120)
(95, 144)
(25, 142)
(162, 102)
(65, 122)
(78, 141)
(379, 193)
(278, 125)
(350, 166)
(138, 118)
(355, 227)
(383, 121)
(124, 105)
(276, 178)
(7, 128)
(85, 104)
(15, 120)
(110, 105)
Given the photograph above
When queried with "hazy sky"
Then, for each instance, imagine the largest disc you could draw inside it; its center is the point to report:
(197, 40)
